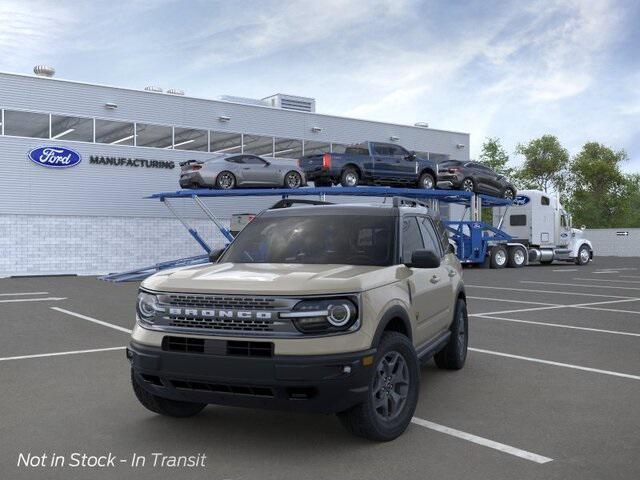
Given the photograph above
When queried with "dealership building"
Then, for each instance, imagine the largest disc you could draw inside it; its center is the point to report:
(92, 216)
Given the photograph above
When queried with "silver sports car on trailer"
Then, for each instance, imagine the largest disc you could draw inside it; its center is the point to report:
(241, 170)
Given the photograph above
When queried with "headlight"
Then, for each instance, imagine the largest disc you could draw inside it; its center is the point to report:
(147, 306)
(324, 316)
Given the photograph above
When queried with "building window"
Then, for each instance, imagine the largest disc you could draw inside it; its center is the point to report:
(114, 133)
(316, 148)
(26, 124)
(156, 136)
(72, 128)
(222, 142)
(287, 148)
(258, 145)
(338, 148)
(190, 139)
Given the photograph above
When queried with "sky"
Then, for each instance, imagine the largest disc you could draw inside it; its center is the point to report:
(514, 70)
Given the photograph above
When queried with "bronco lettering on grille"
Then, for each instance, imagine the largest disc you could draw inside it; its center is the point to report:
(212, 313)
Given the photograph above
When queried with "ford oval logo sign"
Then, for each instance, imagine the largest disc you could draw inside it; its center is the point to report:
(521, 200)
(55, 157)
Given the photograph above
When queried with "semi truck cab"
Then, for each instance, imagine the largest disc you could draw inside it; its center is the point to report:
(538, 221)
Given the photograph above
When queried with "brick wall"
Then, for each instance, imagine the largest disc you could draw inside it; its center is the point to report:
(44, 245)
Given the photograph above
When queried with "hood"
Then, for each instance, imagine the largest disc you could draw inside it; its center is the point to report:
(274, 279)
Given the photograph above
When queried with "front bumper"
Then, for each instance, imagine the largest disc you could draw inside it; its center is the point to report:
(309, 383)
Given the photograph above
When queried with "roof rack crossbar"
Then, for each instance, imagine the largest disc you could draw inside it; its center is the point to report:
(290, 202)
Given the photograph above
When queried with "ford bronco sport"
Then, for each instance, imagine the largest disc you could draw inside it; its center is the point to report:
(324, 308)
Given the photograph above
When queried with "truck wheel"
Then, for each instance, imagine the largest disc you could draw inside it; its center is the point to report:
(426, 181)
(453, 356)
(393, 392)
(584, 255)
(164, 406)
(349, 177)
(517, 257)
(498, 257)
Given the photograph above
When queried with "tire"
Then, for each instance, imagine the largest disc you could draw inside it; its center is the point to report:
(498, 257)
(368, 420)
(509, 193)
(292, 180)
(164, 406)
(426, 182)
(468, 185)
(517, 257)
(584, 255)
(454, 355)
(349, 177)
(225, 180)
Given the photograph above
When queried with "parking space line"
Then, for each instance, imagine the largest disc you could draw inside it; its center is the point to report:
(580, 285)
(511, 301)
(57, 354)
(45, 299)
(517, 452)
(606, 280)
(91, 319)
(576, 305)
(566, 270)
(556, 364)
(529, 290)
(558, 325)
(23, 293)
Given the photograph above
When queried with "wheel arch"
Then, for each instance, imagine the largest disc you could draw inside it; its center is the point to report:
(395, 319)
(354, 166)
(430, 171)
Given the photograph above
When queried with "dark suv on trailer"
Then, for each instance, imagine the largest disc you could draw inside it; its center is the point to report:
(324, 308)
(474, 177)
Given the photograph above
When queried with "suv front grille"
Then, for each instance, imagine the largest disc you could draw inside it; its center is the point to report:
(222, 324)
(219, 301)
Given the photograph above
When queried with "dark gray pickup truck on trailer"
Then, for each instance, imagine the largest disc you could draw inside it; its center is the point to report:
(371, 163)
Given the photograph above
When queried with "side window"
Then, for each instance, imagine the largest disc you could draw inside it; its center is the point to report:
(518, 220)
(563, 221)
(238, 159)
(381, 149)
(443, 235)
(397, 151)
(429, 235)
(252, 160)
(545, 201)
(411, 238)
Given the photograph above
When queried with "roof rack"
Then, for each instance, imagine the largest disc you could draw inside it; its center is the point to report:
(409, 202)
(290, 202)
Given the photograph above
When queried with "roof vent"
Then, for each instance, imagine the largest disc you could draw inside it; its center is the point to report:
(153, 88)
(44, 71)
(175, 91)
(292, 102)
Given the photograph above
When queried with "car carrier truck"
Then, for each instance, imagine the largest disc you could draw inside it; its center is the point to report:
(541, 231)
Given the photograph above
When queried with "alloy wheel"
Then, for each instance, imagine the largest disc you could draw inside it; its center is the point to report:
(351, 179)
(391, 386)
(508, 194)
(226, 181)
(293, 180)
(467, 185)
(427, 182)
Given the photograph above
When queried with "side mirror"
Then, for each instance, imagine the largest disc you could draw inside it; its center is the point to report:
(214, 255)
(410, 156)
(267, 163)
(424, 259)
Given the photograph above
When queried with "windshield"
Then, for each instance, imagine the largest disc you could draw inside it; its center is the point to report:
(322, 239)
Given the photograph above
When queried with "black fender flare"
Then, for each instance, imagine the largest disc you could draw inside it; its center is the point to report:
(394, 312)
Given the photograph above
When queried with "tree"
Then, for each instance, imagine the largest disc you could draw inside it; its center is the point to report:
(600, 194)
(545, 164)
(495, 157)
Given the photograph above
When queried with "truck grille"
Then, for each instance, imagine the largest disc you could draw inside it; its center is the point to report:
(215, 301)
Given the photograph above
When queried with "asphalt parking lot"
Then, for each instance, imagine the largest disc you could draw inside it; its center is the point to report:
(551, 390)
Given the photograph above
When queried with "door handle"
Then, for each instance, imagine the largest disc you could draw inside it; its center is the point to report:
(247, 168)
(434, 279)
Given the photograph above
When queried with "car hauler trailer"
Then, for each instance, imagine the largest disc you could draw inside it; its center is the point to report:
(473, 239)
(538, 223)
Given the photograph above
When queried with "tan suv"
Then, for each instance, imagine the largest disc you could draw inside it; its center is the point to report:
(324, 308)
